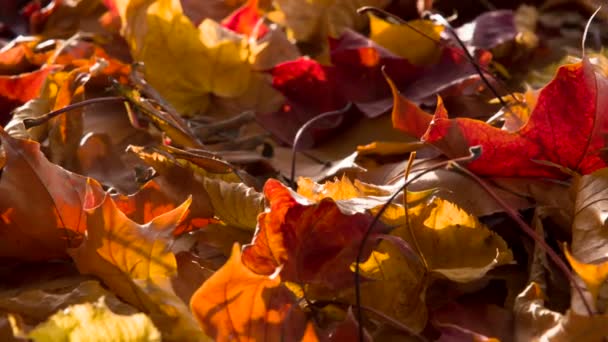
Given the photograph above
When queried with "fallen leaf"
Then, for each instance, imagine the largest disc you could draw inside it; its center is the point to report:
(292, 235)
(272, 312)
(17, 90)
(37, 301)
(516, 153)
(235, 203)
(399, 39)
(135, 262)
(46, 230)
(360, 65)
(535, 322)
(95, 322)
(589, 235)
(152, 28)
(468, 248)
(401, 280)
(299, 81)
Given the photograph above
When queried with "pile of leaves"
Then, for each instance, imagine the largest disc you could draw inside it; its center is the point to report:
(319, 170)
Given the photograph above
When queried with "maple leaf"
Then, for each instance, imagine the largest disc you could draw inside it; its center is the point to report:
(135, 262)
(272, 312)
(292, 235)
(57, 221)
(546, 137)
(153, 28)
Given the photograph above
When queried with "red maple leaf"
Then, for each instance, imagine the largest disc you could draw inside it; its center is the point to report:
(566, 128)
(314, 243)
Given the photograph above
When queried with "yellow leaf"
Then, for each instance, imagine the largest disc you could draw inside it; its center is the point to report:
(406, 42)
(95, 322)
(184, 63)
(402, 283)
(135, 262)
(454, 243)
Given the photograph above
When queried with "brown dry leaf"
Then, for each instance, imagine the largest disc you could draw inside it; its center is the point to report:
(534, 322)
(42, 231)
(271, 314)
(589, 236)
(461, 189)
(135, 262)
(318, 19)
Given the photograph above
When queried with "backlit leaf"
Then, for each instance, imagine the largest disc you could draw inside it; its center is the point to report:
(292, 235)
(135, 262)
(542, 138)
(271, 314)
(57, 221)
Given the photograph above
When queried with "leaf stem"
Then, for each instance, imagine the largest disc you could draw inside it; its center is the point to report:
(29, 123)
(300, 133)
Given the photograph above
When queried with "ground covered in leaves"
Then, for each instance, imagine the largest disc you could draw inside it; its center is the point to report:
(303, 170)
